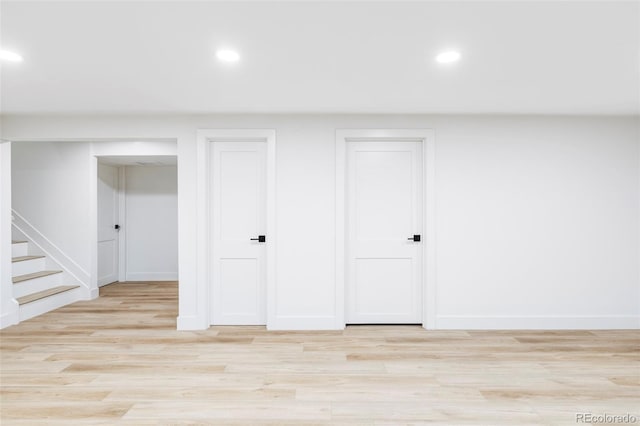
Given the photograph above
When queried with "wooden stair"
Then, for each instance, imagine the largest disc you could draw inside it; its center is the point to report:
(33, 275)
(24, 258)
(38, 286)
(45, 293)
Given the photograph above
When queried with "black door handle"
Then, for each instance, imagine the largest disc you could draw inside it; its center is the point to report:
(260, 239)
(116, 227)
(416, 237)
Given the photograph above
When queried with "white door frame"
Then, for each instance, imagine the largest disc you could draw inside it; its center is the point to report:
(204, 139)
(427, 138)
(122, 218)
(117, 147)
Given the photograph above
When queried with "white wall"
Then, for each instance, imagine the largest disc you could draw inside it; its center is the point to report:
(51, 189)
(538, 224)
(537, 218)
(151, 200)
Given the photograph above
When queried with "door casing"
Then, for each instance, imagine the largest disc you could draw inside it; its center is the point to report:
(427, 139)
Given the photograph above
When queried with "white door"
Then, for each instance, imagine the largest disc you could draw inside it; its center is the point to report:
(238, 223)
(107, 222)
(383, 226)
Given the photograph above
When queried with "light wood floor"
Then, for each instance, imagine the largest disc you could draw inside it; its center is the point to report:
(119, 360)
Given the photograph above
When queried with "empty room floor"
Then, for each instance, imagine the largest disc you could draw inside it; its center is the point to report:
(119, 360)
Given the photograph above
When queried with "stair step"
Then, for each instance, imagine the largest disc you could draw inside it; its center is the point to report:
(17, 242)
(23, 258)
(45, 293)
(25, 277)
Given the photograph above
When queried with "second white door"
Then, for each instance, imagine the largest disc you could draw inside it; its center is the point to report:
(238, 225)
(384, 232)
(107, 224)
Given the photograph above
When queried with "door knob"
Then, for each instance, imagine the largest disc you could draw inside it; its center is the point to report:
(416, 237)
(260, 239)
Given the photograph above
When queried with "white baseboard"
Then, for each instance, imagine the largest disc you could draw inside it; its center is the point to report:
(191, 322)
(93, 293)
(593, 322)
(303, 323)
(454, 322)
(10, 318)
(152, 276)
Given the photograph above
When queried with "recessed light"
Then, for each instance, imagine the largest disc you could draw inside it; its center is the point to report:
(227, 55)
(448, 57)
(7, 55)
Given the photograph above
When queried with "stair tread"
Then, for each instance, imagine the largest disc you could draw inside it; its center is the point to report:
(33, 275)
(23, 258)
(17, 241)
(45, 293)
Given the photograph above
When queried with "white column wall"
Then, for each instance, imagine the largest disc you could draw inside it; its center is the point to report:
(8, 305)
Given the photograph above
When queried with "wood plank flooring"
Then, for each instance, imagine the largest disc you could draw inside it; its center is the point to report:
(119, 360)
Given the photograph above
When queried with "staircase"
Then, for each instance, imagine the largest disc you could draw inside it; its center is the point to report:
(38, 285)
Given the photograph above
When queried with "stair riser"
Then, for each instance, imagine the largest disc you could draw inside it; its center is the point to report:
(28, 266)
(39, 307)
(19, 249)
(37, 284)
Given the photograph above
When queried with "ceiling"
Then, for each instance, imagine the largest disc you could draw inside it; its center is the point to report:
(121, 57)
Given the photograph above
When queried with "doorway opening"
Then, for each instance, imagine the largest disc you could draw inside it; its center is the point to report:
(137, 219)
